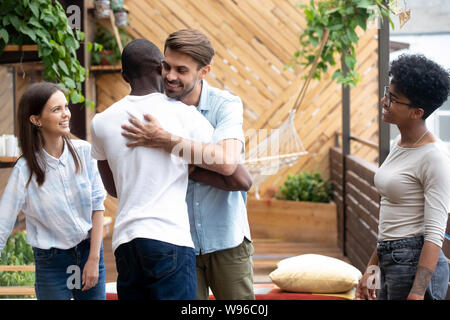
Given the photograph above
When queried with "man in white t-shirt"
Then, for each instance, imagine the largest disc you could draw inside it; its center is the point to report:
(152, 244)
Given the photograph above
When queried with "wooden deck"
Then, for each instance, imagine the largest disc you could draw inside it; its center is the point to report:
(267, 254)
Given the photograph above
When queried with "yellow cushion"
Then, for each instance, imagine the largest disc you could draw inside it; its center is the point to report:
(315, 273)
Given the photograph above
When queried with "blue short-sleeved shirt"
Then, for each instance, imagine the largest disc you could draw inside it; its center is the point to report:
(218, 218)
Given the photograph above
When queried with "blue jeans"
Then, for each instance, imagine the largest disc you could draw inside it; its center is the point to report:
(398, 262)
(57, 273)
(156, 270)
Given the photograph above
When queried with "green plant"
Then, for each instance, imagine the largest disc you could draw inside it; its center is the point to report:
(44, 22)
(305, 187)
(106, 41)
(340, 18)
(17, 252)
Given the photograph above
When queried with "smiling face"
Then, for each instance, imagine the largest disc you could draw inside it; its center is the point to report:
(181, 75)
(397, 108)
(55, 116)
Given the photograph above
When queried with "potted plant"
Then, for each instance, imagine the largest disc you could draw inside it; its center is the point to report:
(109, 53)
(45, 24)
(305, 186)
(301, 210)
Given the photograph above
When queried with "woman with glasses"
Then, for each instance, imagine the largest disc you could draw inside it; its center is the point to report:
(414, 185)
(57, 185)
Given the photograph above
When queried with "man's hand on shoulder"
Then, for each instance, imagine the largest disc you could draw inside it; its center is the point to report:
(148, 133)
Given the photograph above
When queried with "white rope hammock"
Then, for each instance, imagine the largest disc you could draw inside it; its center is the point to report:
(283, 147)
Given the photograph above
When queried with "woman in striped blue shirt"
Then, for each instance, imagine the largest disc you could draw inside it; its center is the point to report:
(57, 186)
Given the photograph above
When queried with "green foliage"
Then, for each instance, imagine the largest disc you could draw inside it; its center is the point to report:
(17, 252)
(106, 41)
(44, 22)
(305, 187)
(341, 18)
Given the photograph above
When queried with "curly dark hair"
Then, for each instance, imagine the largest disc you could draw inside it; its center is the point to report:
(425, 83)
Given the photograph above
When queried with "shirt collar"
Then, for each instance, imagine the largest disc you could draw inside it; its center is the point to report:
(53, 162)
(203, 103)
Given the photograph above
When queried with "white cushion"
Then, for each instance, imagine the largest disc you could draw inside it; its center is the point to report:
(315, 273)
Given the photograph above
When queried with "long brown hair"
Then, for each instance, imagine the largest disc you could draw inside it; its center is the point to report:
(30, 137)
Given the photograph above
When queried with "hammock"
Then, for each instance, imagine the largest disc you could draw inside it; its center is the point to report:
(283, 147)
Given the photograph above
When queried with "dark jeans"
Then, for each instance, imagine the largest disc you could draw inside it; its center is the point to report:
(156, 270)
(398, 262)
(58, 273)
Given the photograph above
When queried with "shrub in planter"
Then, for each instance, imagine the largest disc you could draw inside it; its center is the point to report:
(17, 252)
(305, 186)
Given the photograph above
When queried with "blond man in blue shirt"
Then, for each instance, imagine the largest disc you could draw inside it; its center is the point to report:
(216, 195)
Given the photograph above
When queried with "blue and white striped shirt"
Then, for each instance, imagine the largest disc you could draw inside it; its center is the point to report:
(58, 213)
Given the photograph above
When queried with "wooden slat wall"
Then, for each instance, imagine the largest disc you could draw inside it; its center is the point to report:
(254, 40)
(362, 205)
(362, 208)
(6, 102)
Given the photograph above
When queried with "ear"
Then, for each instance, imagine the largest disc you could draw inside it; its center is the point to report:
(159, 69)
(417, 113)
(34, 119)
(204, 71)
(125, 77)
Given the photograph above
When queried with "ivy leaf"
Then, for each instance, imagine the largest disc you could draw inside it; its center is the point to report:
(29, 32)
(337, 74)
(71, 43)
(69, 83)
(34, 9)
(309, 14)
(4, 35)
(63, 66)
(350, 61)
(34, 22)
(14, 21)
(76, 97)
(335, 27)
(352, 35)
(6, 21)
(365, 4)
(55, 69)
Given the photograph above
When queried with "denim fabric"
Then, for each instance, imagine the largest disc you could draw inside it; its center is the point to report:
(155, 270)
(54, 273)
(398, 260)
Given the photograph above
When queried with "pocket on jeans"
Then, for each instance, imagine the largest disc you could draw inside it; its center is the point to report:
(43, 255)
(406, 256)
(122, 268)
(158, 265)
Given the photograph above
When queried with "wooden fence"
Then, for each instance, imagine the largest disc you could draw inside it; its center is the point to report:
(254, 40)
(358, 223)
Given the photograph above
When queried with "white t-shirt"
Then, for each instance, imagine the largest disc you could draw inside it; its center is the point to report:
(151, 183)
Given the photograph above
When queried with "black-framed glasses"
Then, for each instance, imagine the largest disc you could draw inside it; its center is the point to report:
(389, 99)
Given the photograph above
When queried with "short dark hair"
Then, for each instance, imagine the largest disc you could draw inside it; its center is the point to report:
(425, 83)
(139, 58)
(193, 43)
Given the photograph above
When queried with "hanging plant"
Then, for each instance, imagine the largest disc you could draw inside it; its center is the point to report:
(340, 18)
(44, 22)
